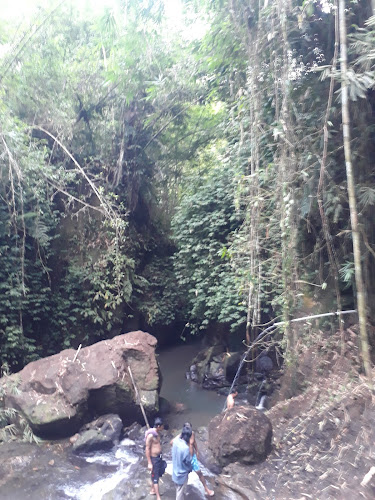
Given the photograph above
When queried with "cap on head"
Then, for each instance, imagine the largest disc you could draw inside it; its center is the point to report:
(158, 422)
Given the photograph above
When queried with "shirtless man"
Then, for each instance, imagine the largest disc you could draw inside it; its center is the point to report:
(230, 399)
(193, 448)
(155, 463)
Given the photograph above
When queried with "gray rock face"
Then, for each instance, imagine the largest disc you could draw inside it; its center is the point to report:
(58, 394)
(264, 364)
(241, 434)
(101, 434)
(238, 480)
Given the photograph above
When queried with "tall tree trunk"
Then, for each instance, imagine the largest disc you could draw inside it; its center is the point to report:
(287, 169)
(251, 40)
(361, 298)
(333, 261)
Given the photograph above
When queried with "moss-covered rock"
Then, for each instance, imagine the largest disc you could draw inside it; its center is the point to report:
(58, 394)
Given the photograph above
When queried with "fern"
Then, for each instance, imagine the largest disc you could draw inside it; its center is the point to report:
(347, 273)
(366, 196)
(12, 423)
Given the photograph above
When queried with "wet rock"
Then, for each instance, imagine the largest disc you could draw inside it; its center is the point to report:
(231, 362)
(101, 434)
(192, 374)
(33, 471)
(215, 374)
(237, 479)
(164, 406)
(203, 371)
(206, 457)
(134, 432)
(60, 393)
(241, 434)
(263, 364)
(215, 367)
(178, 407)
(137, 486)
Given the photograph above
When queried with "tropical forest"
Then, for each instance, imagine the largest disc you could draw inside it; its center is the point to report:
(187, 236)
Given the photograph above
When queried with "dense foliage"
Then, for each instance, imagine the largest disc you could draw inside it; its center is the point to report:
(154, 174)
(203, 225)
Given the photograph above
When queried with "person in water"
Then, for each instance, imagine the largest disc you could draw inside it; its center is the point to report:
(155, 463)
(181, 460)
(193, 448)
(230, 399)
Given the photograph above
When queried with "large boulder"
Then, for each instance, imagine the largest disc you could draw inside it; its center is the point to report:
(214, 367)
(58, 394)
(263, 364)
(241, 434)
(200, 368)
(101, 434)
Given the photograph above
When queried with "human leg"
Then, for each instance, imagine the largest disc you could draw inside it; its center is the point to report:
(156, 488)
(209, 492)
(155, 475)
(180, 490)
(196, 468)
(152, 490)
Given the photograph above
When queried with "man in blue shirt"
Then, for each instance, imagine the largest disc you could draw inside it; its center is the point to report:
(181, 460)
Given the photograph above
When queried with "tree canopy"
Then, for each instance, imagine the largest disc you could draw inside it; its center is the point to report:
(182, 172)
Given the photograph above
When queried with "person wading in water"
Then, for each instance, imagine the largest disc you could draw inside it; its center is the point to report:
(193, 448)
(155, 463)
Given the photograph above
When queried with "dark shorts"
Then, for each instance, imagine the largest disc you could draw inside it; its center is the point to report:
(158, 468)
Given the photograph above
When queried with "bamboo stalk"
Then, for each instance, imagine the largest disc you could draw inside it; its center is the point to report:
(361, 294)
(76, 354)
(138, 398)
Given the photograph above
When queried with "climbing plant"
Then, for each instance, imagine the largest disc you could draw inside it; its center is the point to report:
(154, 176)
(203, 225)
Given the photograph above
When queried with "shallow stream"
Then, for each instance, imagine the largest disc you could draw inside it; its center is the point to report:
(50, 471)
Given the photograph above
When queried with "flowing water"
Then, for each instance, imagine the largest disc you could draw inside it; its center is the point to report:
(118, 463)
(51, 472)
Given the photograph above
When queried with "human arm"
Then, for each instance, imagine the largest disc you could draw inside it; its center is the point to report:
(148, 451)
(194, 446)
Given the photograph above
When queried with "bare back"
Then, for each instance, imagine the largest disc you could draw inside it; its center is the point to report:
(230, 402)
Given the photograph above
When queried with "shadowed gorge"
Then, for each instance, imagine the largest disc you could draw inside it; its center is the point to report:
(196, 176)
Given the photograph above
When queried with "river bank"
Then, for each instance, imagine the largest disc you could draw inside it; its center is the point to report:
(51, 471)
(323, 445)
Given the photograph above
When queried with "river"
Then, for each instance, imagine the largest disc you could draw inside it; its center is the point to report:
(51, 472)
(201, 405)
